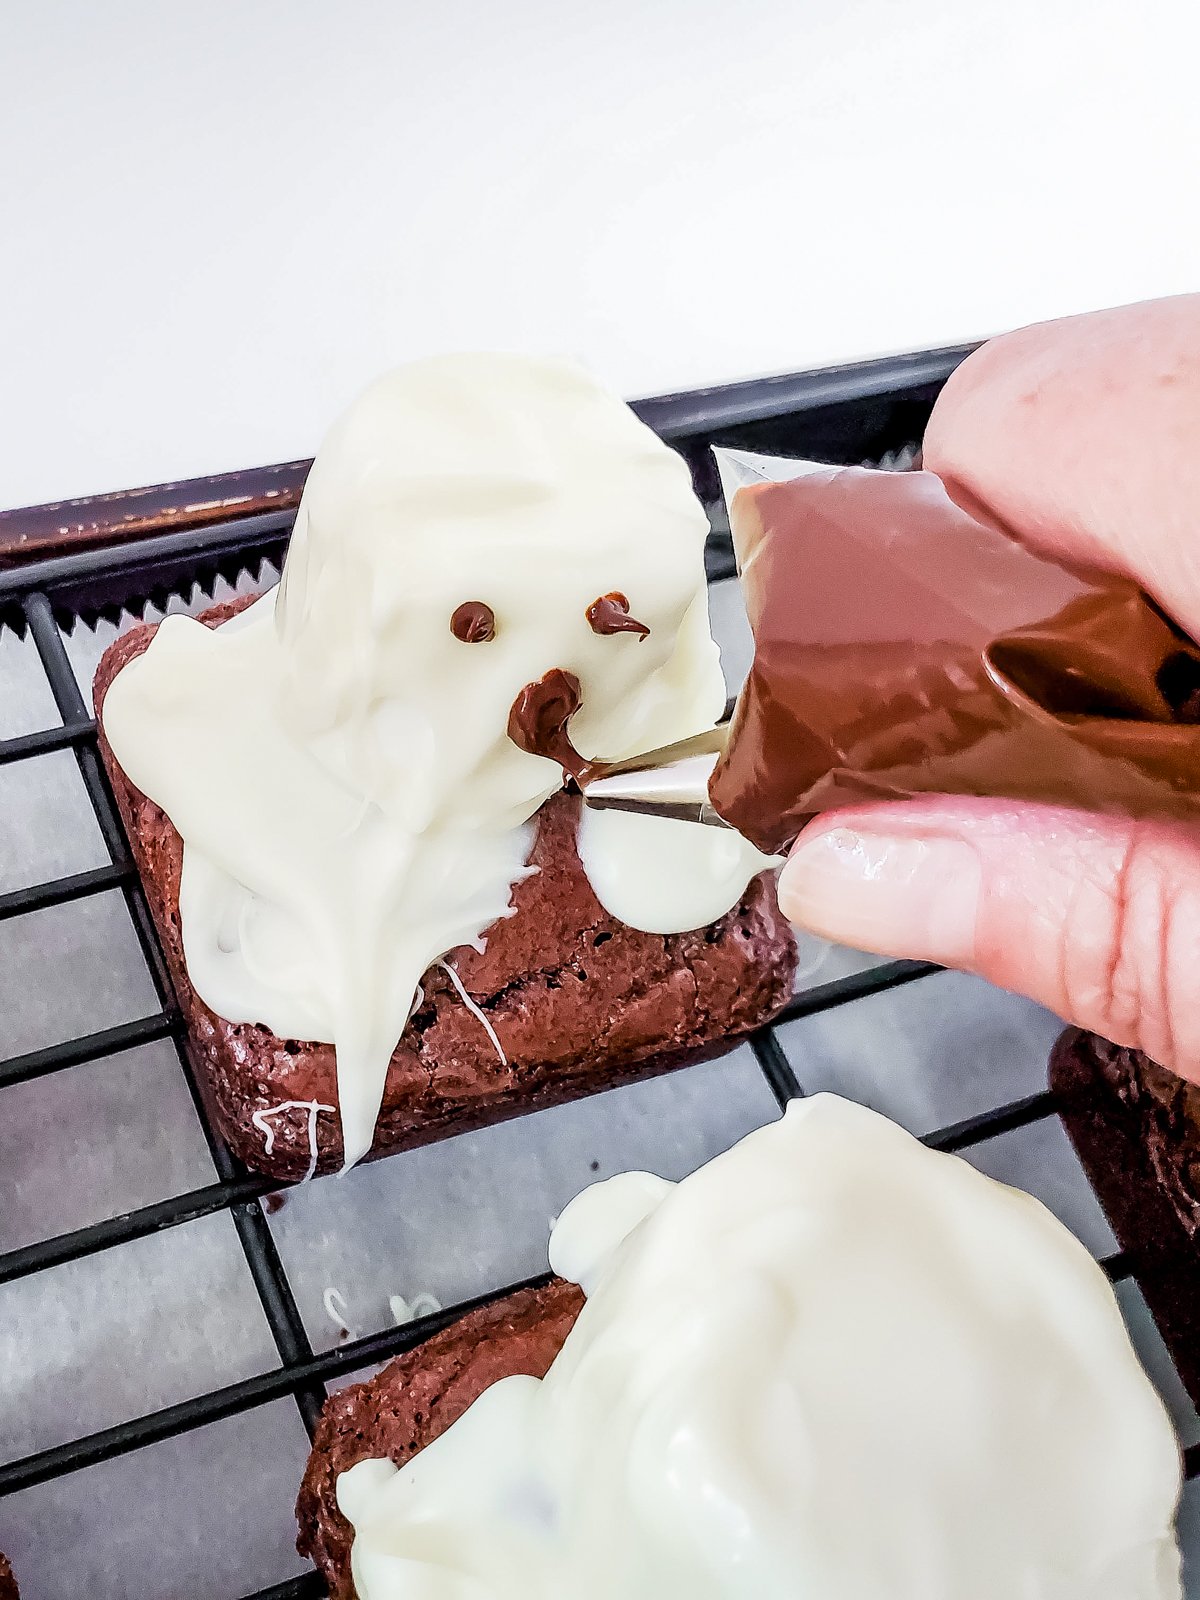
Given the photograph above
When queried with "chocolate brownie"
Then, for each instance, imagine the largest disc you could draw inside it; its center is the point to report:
(1136, 1128)
(415, 1398)
(8, 1584)
(579, 1001)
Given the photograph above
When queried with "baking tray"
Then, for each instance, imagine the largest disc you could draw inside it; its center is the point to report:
(70, 567)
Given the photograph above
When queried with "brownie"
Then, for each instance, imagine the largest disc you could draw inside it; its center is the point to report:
(1136, 1128)
(579, 1001)
(415, 1398)
(8, 1584)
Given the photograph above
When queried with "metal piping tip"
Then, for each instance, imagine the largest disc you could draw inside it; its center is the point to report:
(702, 813)
(670, 782)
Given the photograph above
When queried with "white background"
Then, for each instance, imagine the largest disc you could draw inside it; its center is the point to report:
(219, 219)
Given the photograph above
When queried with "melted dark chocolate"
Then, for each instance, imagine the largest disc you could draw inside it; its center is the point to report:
(537, 722)
(902, 646)
(610, 614)
(473, 622)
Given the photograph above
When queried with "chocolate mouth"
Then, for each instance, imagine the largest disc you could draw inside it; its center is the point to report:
(537, 722)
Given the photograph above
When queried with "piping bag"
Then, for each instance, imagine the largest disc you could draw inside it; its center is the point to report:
(903, 647)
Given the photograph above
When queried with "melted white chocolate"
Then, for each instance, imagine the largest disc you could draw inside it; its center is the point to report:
(664, 876)
(337, 762)
(831, 1365)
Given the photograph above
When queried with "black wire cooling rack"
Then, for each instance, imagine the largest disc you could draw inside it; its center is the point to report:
(849, 414)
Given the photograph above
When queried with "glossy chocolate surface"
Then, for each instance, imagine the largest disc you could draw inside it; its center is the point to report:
(473, 622)
(901, 647)
(537, 721)
(610, 614)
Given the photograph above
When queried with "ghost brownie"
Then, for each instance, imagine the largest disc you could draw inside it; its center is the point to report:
(384, 920)
(564, 1000)
(829, 1363)
(8, 1584)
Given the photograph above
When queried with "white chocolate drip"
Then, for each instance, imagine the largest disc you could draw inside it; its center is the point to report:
(337, 761)
(831, 1365)
(661, 875)
(334, 1302)
(421, 1305)
(261, 1121)
(481, 1016)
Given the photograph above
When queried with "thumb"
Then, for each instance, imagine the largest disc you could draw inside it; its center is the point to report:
(1097, 918)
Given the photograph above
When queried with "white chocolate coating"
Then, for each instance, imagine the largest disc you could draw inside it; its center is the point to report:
(337, 762)
(664, 876)
(831, 1365)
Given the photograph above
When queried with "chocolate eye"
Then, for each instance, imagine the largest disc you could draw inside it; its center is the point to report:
(610, 614)
(473, 622)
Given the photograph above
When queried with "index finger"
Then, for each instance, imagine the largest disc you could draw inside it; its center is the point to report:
(1082, 437)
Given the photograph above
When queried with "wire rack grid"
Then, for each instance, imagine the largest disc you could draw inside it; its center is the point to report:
(818, 414)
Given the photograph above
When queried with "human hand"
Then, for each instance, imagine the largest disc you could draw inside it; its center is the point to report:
(1083, 438)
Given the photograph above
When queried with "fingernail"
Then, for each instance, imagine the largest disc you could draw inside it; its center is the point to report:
(886, 893)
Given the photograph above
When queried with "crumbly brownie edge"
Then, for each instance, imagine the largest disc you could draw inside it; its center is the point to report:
(414, 1399)
(8, 1584)
(723, 981)
(1136, 1129)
